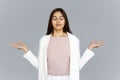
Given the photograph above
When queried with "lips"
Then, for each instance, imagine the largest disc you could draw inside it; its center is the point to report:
(58, 24)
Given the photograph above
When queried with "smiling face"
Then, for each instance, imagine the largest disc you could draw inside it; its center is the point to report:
(58, 21)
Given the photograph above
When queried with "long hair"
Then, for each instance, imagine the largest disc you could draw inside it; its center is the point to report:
(66, 26)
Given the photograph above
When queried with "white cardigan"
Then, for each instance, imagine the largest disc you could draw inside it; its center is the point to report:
(76, 62)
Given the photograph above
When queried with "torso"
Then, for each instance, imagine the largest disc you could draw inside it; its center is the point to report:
(58, 56)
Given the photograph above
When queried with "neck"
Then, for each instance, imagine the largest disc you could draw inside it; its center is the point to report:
(59, 33)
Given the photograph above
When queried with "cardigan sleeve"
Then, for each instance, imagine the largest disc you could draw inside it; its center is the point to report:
(87, 55)
(31, 58)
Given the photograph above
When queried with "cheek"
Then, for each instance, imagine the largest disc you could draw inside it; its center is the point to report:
(63, 22)
(53, 22)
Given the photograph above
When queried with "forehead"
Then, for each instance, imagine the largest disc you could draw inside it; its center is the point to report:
(58, 13)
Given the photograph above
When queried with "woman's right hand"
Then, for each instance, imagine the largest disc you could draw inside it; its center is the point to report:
(20, 45)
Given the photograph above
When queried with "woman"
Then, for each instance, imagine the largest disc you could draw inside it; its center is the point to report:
(59, 54)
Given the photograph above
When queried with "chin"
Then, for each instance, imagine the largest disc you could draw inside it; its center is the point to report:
(58, 28)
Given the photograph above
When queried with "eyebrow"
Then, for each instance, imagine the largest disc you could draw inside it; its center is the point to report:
(55, 16)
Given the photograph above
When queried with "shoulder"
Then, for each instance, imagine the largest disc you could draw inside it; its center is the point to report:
(43, 38)
(74, 37)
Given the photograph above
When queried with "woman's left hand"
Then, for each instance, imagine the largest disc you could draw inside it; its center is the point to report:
(95, 44)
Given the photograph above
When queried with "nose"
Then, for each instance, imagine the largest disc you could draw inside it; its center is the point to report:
(58, 20)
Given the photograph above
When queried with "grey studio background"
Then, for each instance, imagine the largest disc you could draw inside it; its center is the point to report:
(26, 20)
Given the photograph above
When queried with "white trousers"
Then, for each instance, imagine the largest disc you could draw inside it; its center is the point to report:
(53, 77)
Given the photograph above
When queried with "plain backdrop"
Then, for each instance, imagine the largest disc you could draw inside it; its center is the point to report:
(27, 20)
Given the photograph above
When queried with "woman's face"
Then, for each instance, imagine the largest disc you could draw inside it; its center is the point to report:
(58, 21)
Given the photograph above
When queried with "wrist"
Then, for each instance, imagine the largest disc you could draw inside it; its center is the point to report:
(90, 48)
(26, 50)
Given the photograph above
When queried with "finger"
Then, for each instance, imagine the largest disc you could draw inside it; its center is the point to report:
(19, 47)
(20, 42)
(95, 40)
(101, 43)
(13, 44)
(16, 44)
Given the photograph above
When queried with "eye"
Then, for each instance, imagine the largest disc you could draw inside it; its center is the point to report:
(54, 19)
(61, 19)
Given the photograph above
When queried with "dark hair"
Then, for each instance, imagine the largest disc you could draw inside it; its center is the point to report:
(50, 26)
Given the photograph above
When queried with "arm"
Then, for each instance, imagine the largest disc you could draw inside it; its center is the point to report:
(87, 55)
(27, 53)
(31, 58)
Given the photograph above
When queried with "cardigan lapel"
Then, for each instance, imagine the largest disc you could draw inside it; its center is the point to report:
(74, 72)
(46, 46)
